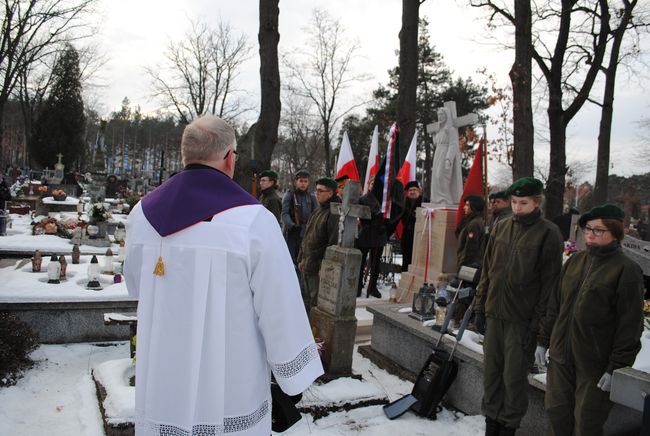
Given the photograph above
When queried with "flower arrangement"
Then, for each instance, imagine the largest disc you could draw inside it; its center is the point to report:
(99, 213)
(570, 247)
(16, 189)
(59, 194)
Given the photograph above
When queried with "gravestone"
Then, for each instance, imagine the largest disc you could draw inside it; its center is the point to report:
(58, 170)
(434, 250)
(333, 317)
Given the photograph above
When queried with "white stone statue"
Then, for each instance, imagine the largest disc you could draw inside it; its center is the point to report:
(446, 175)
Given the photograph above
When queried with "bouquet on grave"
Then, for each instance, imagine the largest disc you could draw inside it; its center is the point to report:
(99, 213)
(59, 194)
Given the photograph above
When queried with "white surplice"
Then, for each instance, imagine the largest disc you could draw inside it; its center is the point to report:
(226, 313)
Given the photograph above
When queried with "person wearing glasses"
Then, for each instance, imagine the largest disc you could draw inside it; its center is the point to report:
(521, 266)
(321, 232)
(592, 326)
(219, 305)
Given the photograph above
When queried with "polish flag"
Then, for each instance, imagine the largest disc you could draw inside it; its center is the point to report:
(373, 159)
(345, 165)
(407, 172)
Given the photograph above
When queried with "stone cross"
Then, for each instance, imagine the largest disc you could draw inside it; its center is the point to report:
(348, 212)
(59, 156)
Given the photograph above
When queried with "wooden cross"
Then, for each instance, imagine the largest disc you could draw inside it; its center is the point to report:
(457, 122)
(348, 212)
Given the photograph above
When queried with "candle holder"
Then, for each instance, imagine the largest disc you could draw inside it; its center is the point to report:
(64, 267)
(37, 261)
(108, 262)
(54, 270)
(93, 275)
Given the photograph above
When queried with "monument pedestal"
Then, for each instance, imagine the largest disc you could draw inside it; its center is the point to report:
(434, 227)
(334, 317)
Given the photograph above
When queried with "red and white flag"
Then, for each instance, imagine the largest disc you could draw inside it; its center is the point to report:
(373, 159)
(407, 172)
(345, 165)
(389, 170)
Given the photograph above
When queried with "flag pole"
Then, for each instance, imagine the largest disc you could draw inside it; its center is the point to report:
(485, 171)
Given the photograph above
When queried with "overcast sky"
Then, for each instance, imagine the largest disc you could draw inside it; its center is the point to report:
(134, 34)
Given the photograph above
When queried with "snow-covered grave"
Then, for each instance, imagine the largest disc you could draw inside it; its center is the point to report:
(398, 339)
(19, 240)
(117, 398)
(64, 312)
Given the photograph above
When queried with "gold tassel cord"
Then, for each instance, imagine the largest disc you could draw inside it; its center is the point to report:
(159, 269)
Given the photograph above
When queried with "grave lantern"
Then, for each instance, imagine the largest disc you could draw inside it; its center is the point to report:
(120, 233)
(37, 260)
(54, 270)
(121, 253)
(92, 230)
(64, 267)
(117, 278)
(93, 274)
(424, 307)
(76, 253)
(108, 262)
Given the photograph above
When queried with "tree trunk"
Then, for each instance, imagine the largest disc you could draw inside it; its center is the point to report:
(408, 72)
(520, 76)
(266, 133)
(607, 110)
(557, 164)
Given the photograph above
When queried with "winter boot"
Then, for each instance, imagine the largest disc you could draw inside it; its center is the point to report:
(492, 427)
(373, 293)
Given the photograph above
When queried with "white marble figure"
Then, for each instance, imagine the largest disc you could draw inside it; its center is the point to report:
(447, 178)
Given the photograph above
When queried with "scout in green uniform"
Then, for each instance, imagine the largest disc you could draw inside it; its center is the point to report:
(322, 231)
(269, 196)
(593, 324)
(499, 208)
(520, 269)
(470, 233)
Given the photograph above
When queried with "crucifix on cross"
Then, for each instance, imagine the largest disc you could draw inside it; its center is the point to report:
(348, 212)
(447, 178)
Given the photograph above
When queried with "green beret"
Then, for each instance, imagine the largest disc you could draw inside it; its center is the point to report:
(330, 183)
(499, 195)
(607, 211)
(476, 202)
(270, 174)
(525, 187)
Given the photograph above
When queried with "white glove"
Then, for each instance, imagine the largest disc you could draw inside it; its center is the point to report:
(540, 356)
(605, 382)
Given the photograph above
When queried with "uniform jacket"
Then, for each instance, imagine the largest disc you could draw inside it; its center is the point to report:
(521, 267)
(595, 315)
(321, 232)
(272, 201)
(470, 233)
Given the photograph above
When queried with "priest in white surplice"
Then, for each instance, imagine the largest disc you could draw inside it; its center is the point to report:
(219, 301)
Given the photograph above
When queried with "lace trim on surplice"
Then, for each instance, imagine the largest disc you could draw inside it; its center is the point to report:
(231, 424)
(293, 367)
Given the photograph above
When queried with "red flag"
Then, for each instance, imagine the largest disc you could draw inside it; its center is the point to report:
(373, 159)
(473, 183)
(345, 165)
(407, 172)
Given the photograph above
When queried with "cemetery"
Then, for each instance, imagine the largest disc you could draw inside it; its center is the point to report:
(385, 142)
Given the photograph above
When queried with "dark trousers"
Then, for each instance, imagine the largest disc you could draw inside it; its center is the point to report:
(294, 239)
(574, 404)
(508, 353)
(407, 249)
(373, 262)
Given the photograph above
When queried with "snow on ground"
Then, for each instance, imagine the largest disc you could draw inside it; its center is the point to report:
(57, 397)
(20, 284)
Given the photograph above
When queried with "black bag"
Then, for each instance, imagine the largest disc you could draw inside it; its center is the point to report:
(283, 410)
(433, 382)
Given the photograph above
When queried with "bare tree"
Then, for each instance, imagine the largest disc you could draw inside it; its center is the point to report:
(266, 133)
(199, 73)
(408, 71)
(31, 30)
(569, 43)
(627, 20)
(321, 72)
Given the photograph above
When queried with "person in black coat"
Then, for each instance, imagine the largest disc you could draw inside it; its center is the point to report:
(5, 194)
(413, 194)
(371, 240)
